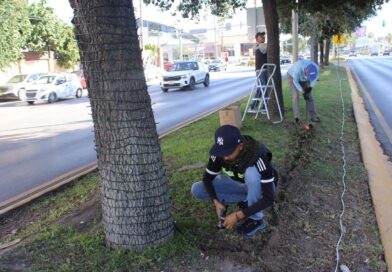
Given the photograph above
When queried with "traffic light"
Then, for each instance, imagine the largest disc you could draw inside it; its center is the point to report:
(383, 23)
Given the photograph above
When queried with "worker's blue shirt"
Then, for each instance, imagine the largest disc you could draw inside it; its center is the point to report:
(297, 72)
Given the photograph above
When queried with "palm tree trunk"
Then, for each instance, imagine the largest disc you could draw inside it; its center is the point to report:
(272, 26)
(314, 49)
(136, 210)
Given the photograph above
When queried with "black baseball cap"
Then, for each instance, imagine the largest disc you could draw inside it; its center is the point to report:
(259, 34)
(227, 138)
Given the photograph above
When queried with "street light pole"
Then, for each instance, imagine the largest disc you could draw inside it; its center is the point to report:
(180, 43)
(216, 47)
(141, 25)
(294, 21)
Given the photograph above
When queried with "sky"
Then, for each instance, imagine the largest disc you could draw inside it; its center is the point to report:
(64, 11)
(374, 25)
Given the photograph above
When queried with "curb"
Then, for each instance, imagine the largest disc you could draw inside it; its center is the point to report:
(379, 170)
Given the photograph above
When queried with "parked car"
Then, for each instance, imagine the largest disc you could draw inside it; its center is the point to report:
(167, 65)
(185, 74)
(386, 53)
(51, 87)
(285, 59)
(15, 86)
(81, 78)
(352, 54)
(217, 65)
(244, 61)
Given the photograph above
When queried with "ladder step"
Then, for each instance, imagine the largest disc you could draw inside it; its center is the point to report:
(262, 111)
(260, 99)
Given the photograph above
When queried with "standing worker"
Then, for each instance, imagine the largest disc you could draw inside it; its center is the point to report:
(302, 77)
(260, 59)
(261, 56)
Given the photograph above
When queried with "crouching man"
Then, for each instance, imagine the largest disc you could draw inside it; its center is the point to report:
(239, 171)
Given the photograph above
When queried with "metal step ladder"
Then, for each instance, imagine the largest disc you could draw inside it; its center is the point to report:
(261, 94)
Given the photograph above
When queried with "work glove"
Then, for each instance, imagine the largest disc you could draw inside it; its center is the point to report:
(307, 92)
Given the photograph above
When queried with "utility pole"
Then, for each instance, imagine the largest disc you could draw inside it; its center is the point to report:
(294, 23)
(180, 43)
(254, 2)
(216, 46)
(141, 25)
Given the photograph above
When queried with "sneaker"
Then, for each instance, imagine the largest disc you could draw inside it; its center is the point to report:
(298, 122)
(315, 119)
(250, 227)
(242, 205)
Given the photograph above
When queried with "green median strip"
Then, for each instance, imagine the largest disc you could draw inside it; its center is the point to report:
(62, 231)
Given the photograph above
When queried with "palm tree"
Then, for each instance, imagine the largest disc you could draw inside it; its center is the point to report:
(272, 26)
(136, 210)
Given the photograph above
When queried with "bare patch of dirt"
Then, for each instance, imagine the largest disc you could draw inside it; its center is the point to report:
(208, 263)
(85, 218)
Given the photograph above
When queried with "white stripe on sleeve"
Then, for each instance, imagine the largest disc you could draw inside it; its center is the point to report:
(210, 172)
(260, 166)
(261, 161)
(267, 180)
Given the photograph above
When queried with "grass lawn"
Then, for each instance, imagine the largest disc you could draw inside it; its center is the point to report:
(62, 231)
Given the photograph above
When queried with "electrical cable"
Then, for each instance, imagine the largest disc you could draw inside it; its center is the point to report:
(341, 139)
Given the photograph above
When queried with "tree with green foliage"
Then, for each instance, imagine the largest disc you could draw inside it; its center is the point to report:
(66, 48)
(14, 28)
(44, 27)
(154, 49)
(48, 32)
(322, 20)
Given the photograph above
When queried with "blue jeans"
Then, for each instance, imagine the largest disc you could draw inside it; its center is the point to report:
(230, 191)
(263, 78)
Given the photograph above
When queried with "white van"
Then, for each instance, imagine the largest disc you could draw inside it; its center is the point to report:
(52, 87)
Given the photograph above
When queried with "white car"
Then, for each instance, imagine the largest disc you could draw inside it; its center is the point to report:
(16, 85)
(185, 74)
(51, 87)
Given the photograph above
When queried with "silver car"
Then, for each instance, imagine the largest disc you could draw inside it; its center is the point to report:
(16, 85)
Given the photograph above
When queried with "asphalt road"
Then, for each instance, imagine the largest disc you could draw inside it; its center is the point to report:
(41, 142)
(373, 75)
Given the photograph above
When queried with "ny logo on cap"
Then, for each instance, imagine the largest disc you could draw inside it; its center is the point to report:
(219, 141)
